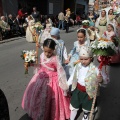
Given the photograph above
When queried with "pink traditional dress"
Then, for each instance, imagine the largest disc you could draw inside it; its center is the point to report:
(44, 97)
(108, 35)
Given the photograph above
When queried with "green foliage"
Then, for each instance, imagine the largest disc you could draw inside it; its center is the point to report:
(103, 52)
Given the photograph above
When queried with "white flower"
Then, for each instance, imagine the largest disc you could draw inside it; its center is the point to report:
(36, 26)
(29, 55)
(85, 21)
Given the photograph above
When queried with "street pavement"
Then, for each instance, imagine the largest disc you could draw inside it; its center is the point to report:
(13, 80)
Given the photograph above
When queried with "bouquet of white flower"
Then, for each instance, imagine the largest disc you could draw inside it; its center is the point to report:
(85, 22)
(103, 47)
(38, 27)
(29, 58)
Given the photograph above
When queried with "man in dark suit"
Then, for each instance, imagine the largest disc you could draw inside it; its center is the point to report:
(19, 25)
(11, 23)
(36, 14)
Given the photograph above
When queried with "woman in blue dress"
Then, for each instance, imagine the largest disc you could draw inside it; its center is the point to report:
(73, 57)
(91, 19)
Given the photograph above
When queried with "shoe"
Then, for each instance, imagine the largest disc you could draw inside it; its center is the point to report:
(85, 116)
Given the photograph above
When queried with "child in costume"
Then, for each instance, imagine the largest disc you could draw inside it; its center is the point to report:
(73, 57)
(61, 50)
(110, 32)
(45, 34)
(83, 80)
(44, 97)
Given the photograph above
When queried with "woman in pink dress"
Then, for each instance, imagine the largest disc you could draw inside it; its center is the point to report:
(45, 97)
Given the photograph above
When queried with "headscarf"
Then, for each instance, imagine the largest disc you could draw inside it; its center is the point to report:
(87, 35)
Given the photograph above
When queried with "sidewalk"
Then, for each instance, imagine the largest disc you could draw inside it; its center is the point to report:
(11, 39)
(17, 38)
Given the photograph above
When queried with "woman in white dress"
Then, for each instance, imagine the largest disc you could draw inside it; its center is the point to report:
(101, 22)
(30, 30)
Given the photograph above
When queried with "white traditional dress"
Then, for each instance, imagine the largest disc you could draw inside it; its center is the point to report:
(30, 31)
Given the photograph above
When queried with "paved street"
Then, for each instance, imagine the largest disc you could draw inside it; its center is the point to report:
(13, 80)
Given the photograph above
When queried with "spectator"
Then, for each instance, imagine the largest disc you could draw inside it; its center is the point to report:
(77, 21)
(19, 25)
(5, 27)
(66, 24)
(36, 14)
(21, 15)
(11, 23)
(61, 19)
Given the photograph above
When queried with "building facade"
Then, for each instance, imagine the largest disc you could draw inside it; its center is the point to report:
(8, 7)
(46, 7)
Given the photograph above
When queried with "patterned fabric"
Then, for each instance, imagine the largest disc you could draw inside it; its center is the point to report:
(90, 80)
(43, 98)
(101, 25)
(61, 50)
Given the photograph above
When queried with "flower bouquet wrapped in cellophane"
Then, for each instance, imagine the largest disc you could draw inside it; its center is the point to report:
(29, 58)
(38, 27)
(85, 23)
(103, 48)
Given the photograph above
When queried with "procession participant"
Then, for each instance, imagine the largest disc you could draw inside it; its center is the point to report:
(101, 22)
(45, 96)
(46, 33)
(116, 8)
(83, 79)
(97, 33)
(73, 57)
(61, 50)
(30, 35)
(91, 18)
(111, 17)
(109, 32)
(110, 7)
(91, 32)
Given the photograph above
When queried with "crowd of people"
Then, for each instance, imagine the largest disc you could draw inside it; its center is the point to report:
(65, 83)
(11, 25)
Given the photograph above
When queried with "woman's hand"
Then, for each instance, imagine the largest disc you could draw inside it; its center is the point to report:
(37, 45)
